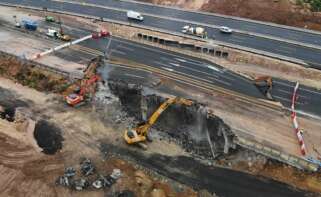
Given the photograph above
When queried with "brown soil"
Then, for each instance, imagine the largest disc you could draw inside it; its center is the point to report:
(29, 75)
(283, 12)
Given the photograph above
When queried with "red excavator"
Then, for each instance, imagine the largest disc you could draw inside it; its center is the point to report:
(75, 99)
(90, 78)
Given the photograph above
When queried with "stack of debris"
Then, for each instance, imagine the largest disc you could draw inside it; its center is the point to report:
(87, 169)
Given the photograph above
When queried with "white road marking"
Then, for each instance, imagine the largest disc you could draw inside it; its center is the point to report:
(300, 88)
(131, 75)
(169, 69)
(124, 47)
(181, 60)
(213, 68)
(284, 51)
(289, 100)
(174, 64)
(160, 51)
(162, 64)
(284, 99)
(223, 82)
(235, 40)
(119, 52)
(284, 91)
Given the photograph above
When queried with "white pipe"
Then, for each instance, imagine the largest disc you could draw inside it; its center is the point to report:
(60, 47)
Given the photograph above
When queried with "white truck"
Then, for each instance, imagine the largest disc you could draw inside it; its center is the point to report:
(196, 31)
(134, 15)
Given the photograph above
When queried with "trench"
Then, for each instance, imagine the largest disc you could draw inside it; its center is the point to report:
(48, 137)
(194, 128)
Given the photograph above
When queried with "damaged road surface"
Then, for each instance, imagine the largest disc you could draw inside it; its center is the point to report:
(221, 181)
(188, 126)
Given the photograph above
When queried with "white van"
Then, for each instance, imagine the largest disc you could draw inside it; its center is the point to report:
(135, 15)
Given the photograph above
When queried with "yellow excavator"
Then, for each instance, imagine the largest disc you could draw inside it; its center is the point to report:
(139, 134)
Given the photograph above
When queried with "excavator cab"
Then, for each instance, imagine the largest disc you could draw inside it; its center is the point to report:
(131, 136)
(265, 84)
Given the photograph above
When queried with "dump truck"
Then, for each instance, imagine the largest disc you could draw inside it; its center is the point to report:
(30, 24)
(195, 31)
(58, 35)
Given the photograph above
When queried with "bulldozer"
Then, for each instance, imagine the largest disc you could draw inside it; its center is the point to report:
(265, 84)
(138, 135)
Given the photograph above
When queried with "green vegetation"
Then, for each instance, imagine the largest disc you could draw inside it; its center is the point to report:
(315, 4)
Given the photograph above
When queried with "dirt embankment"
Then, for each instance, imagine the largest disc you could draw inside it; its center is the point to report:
(28, 74)
(284, 12)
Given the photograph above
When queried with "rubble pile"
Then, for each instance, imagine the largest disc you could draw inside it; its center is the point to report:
(7, 113)
(86, 180)
(193, 127)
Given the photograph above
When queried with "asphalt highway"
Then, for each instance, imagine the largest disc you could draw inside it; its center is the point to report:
(197, 69)
(311, 56)
(243, 25)
(308, 98)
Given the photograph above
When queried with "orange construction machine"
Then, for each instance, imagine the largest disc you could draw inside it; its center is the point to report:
(89, 80)
(264, 84)
(76, 98)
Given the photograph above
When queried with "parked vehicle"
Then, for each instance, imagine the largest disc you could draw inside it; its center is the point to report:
(50, 19)
(135, 15)
(225, 29)
(30, 25)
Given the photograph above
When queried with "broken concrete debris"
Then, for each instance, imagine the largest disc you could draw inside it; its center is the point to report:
(87, 168)
(63, 180)
(195, 128)
(116, 174)
(7, 113)
(80, 184)
(103, 181)
(70, 172)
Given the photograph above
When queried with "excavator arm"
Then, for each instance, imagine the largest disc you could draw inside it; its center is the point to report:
(139, 133)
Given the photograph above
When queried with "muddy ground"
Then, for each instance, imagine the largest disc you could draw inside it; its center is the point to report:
(82, 132)
(284, 12)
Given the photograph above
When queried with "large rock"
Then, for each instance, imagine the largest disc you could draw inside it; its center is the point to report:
(157, 193)
(144, 182)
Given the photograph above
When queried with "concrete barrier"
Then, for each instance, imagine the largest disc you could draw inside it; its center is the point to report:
(205, 49)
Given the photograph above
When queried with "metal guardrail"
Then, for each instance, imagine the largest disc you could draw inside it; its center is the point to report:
(263, 53)
(298, 162)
